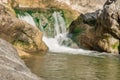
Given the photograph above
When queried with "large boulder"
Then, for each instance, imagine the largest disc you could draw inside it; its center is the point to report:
(102, 28)
(83, 26)
(21, 34)
(11, 66)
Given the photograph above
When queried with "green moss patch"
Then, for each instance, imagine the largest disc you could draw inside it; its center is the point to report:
(116, 45)
(21, 43)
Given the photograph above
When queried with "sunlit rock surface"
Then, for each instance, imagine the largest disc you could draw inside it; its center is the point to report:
(6, 9)
(21, 34)
(84, 6)
(11, 66)
(79, 5)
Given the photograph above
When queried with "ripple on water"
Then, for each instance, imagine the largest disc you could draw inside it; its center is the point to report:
(54, 66)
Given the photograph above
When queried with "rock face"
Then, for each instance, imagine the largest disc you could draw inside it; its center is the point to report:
(21, 34)
(6, 9)
(84, 6)
(79, 5)
(102, 29)
(11, 66)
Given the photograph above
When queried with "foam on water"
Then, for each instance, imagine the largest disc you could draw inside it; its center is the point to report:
(54, 46)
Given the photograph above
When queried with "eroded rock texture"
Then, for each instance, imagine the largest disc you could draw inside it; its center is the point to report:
(11, 66)
(101, 29)
(79, 5)
(21, 34)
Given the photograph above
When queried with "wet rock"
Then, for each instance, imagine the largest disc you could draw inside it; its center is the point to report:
(11, 66)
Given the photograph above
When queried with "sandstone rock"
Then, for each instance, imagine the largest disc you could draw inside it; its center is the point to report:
(21, 34)
(108, 27)
(11, 66)
(6, 10)
(104, 33)
(79, 5)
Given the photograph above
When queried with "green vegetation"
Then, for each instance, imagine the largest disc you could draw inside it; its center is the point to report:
(69, 17)
(116, 45)
(119, 47)
(44, 18)
(21, 43)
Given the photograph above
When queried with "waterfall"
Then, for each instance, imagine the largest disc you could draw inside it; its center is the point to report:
(57, 44)
(60, 43)
(59, 25)
(28, 18)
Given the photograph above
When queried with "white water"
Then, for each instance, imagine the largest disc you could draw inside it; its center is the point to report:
(55, 44)
(28, 18)
(59, 23)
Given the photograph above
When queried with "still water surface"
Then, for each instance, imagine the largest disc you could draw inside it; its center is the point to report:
(54, 66)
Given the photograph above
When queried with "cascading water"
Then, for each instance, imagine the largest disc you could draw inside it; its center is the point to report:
(60, 42)
(28, 18)
(59, 25)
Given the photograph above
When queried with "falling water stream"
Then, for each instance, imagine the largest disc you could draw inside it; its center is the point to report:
(58, 42)
(65, 63)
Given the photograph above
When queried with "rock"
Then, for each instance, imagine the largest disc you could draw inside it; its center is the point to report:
(21, 34)
(80, 5)
(108, 27)
(82, 25)
(6, 10)
(84, 20)
(11, 66)
(104, 33)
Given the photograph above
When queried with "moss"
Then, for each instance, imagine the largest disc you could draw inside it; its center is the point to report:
(78, 30)
(44, 18)
(69, 16)
(21, 43)
(119, 47)
(116, 45)
(76, 34)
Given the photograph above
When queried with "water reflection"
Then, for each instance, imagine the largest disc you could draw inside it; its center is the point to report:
(74, 67)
